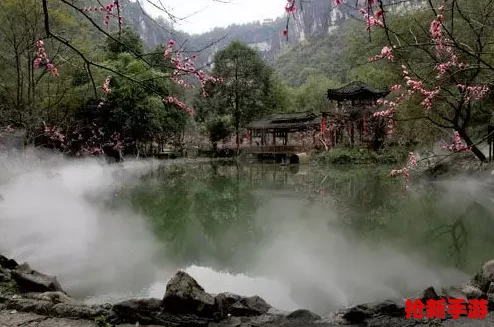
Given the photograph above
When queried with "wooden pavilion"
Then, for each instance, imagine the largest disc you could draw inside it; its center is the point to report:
(281, 125)
(352, 117)
(273, 133)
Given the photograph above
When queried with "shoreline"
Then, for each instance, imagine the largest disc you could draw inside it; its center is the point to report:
(30, 298)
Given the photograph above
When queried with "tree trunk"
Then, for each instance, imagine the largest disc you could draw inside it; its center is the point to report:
(237, 131)
(479, 154)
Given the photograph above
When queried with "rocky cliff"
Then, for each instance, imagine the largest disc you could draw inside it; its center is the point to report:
(316, 18)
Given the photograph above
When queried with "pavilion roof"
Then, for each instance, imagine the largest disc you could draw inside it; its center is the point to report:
(290, 121)
(356, 91)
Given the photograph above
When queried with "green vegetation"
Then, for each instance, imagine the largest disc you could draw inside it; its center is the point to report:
(246, 93)
(359, 156)
(101, 321)
(82, 117)
(342, 57)
(73, 113)
(8, 287)
(319, 56)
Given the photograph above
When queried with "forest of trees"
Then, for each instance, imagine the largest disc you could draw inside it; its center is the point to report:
(93, 85)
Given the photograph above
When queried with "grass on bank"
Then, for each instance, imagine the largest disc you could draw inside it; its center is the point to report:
(362, 156)
(8, 287)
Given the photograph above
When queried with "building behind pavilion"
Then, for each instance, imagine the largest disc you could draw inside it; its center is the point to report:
(351, 122)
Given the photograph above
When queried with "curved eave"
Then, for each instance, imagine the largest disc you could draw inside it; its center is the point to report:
(361, 95)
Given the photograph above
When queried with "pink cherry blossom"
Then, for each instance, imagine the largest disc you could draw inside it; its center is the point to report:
(476, 92)
(179, 103)
(290, 6)
(185, 66)
(106, 85)
(386, 52)
(405, 171)
(109, 11)
(458, 145)
(41, 58)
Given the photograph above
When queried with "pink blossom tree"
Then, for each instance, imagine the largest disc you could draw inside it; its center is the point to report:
(107, 18)
(444, 55)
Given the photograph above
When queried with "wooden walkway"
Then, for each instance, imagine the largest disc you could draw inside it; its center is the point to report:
(280, 153)
(273, 149)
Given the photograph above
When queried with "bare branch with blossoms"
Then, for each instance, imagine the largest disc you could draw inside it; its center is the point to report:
(180, 64)
(186, 66)
(448, 65)
(405, 171)
(448, 96)
(106, 90)
(458, 145)
(108, 11)
(42, 59)
(89, 141)
(179, 103)
(386, 52)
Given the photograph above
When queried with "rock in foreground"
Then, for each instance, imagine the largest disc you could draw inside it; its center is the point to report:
(29, 280)
(36, 299)
(185, 295)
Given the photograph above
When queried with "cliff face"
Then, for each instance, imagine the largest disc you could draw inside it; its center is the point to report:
(315, 18)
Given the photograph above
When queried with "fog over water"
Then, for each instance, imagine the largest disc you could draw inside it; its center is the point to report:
(55, 215)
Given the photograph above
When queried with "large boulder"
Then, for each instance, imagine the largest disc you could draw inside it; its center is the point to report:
(185, 295)
(32, 281)
(249, 306)
(144, 311)
(453, 292)
(224, 302)
(239, 306)
(472, 292)
(483, 279)
(5, 275)
(357, 314)
(303, 315)
(8, 263)
(360, 313)
(428, 294)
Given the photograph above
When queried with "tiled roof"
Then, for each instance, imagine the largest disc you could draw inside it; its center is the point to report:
(356, 91)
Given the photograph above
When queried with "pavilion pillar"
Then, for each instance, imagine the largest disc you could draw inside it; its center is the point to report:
(274, 138)
(352, 133)
(361, 133)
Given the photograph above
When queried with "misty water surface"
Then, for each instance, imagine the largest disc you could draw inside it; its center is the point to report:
(317, 237)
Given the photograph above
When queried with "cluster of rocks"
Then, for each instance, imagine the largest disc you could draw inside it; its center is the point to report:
(462, 163)
(185, 303)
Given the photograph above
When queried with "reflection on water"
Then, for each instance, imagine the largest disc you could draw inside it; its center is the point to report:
(334, 236)
(206, 213)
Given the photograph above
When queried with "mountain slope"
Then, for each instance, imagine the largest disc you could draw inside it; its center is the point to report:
(313, 45)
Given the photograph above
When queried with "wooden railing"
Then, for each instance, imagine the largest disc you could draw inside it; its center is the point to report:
(273, 149)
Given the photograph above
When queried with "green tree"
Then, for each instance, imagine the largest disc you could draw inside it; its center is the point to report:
(218, 129)
(134, 109)
(451, 61)
(126, 40)
(311, 96)
(282, 96)
(247, 90)
(29, 95)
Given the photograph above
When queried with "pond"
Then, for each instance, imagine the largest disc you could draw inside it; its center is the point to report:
(316, 237)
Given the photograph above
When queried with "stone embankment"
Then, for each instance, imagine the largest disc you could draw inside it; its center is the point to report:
(29, 298)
